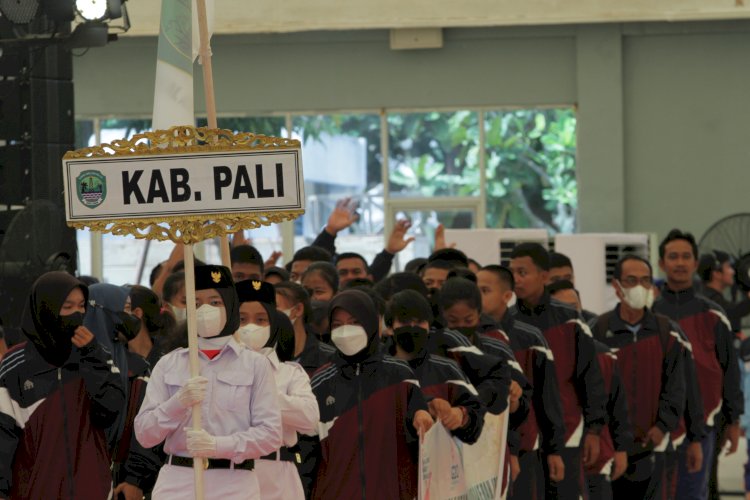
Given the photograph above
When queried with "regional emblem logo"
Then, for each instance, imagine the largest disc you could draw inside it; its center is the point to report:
(91, 187)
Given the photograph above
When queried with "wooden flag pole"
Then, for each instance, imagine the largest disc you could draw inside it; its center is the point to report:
(195, 368)
(208, 90)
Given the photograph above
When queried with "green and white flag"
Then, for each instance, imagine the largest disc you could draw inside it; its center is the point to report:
(179, 42)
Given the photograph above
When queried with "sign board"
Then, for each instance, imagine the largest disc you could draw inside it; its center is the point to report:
(182, 180)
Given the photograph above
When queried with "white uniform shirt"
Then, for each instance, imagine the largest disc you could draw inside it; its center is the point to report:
(241, 407)
(298, 405)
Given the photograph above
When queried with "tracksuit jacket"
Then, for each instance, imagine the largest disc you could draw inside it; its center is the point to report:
(579, 378)
(616, 436)
(53, 423)
(368, 444)
(651, 368)
(442, 378)
(710, 335)
(545, 419)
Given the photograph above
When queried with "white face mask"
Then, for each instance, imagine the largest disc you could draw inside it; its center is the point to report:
(288, 313)
(254, 336)
(180, 313)
(210, 320)
(349, 339)
(638, 296)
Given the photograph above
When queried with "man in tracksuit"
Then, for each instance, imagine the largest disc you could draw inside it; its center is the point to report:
(450, 395)
(717, 369)
(650, 358)
(544, 425)
(579, 378)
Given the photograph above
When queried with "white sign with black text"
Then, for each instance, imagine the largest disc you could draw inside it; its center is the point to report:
(185, 184)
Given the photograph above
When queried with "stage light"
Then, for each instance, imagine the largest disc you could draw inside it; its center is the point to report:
(92, 10)
(19, 11)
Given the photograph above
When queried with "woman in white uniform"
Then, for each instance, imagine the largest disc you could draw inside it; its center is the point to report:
(237, 395)
(269, 332)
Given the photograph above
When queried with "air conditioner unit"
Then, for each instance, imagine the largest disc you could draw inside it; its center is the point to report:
(594, 257)
(493, 246)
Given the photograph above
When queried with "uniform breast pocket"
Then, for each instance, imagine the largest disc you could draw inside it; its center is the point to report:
(173, 382)
(233, 390)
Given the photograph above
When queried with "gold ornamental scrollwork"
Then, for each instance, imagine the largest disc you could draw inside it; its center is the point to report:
(186, 139)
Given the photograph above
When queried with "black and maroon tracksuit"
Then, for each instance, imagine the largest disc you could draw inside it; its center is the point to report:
(441, 377)
(368, 445)
(544, 423)
(651, 362)
(53, 421)
(710, 335)
(579, 379)
(617, 435)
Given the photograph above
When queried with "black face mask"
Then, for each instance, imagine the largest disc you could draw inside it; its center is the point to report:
(129, 324)
(69, 324)
(411, 339)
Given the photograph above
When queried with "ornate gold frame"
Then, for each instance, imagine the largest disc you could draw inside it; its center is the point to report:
(186, 139)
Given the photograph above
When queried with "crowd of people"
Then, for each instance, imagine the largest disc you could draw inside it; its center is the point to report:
(318, 378)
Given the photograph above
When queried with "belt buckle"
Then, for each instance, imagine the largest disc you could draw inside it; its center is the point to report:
(298, 457)
(205, 463)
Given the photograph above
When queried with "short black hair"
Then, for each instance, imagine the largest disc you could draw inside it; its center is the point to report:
(557, 259)
(535, 251)
(88, 280)
(676, 234)
(504, 274)
(438, 264)
(397, 282)
(415, 265)
(358, 283)
(294, 292)
(172, 285)
(327, 271)
(617, 273)
(278, 271)
(712, 261)
(313, 254)
(246, 254)
(407, 305)
(180, 266)
(560, 285)
(155, 272)
(352, 255)
(462, 272)
(452, 255)
(457, 290)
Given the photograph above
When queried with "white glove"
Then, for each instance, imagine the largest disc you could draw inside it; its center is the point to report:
(200, 443)
(193, 391)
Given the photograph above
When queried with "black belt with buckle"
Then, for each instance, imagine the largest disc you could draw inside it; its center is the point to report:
(286, 455)
(212, 463)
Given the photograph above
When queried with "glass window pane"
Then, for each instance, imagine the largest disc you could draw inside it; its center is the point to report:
(84, 133)
(531, 169)
(266, 125)
(114, 128)
(424, 223)
(433, 154)
(341, 158)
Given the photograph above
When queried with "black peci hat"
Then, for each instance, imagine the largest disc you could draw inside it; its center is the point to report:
(256, 291)
(207, 277)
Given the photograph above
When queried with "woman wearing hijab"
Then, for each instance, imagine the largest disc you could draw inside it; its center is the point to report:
(107, 320)
(236, 393)
(269, 332)
(58, 393)
(371, 411)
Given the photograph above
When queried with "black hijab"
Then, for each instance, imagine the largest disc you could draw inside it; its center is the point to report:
(41, 321)
(361, 306)
(284, 336)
